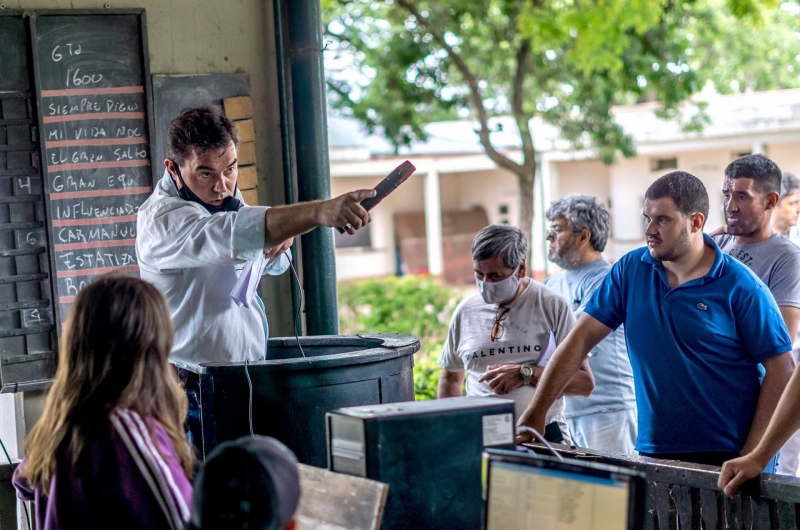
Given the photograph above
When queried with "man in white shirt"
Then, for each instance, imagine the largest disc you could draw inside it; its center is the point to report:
(195, 235)
(606, 420)
(501, 338)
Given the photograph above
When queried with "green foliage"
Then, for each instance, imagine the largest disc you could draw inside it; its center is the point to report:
(410, 304)
(427, 370)
(418, 305)
(568, 61)
(745, 54)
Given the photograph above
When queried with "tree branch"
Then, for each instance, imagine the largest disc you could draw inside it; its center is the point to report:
(528, 151)
(475, 93)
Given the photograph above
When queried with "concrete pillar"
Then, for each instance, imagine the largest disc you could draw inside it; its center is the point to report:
(433, 223)
(542, 198)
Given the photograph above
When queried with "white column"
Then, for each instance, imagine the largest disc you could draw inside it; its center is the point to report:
(758, 148)
(433, 222)
(542, 193)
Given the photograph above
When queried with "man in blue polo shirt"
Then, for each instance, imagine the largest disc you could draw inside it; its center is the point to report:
(698, 323)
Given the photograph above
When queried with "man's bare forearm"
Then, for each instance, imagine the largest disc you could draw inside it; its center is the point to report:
(562, 368)
(785, 421)
(285, 222)
(779, 372)
(559, 373)
(583, 382)
(450, 384)
(580, 385)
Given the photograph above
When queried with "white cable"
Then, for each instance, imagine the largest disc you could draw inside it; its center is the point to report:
(296, 336)
(299, 306)
(250, 400)
(541, 439)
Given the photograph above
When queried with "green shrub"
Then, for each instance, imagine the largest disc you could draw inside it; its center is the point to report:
(427, 370)
(418, 305)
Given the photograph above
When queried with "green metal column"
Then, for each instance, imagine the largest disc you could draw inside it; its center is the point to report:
(309, 108)
(284, 97)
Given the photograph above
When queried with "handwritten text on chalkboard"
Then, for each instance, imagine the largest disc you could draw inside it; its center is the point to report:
(93, 114)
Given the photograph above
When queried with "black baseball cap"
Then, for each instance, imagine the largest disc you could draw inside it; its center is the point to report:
(250, 483)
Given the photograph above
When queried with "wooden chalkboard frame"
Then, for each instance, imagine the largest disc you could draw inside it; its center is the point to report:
(28, 371)
(147, 84)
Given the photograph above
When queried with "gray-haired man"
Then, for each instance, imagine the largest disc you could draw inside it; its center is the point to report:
(503, 336)
(606, 420)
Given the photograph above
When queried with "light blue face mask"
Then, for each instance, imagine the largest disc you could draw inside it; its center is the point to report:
(501, 291)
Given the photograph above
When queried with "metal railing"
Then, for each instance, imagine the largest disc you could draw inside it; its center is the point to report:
(685, 496)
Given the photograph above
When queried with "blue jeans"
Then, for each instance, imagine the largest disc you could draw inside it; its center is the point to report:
(614, 432)
(193, 426)
(772, 467)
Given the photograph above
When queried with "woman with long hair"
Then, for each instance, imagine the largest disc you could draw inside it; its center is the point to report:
(110, 450)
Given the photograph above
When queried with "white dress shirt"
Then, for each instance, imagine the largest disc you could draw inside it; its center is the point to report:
(194, 258)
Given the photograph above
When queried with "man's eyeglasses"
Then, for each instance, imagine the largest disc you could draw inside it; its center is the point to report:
(498, 329)
(554, 231)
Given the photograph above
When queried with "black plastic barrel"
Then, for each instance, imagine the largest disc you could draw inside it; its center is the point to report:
(292, 393)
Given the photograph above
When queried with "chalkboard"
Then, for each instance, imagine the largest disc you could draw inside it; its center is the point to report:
(171, 94)
(27, 336)
(94, 104)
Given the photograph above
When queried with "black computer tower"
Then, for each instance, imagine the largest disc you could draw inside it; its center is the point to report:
(429, 452)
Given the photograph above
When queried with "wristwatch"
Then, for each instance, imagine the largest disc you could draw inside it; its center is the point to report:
(526, 371)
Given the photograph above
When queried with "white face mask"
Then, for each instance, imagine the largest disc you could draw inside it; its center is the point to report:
(499, 292)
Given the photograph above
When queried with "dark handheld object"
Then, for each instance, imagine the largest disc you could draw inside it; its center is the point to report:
(553, 434)
(386, 186)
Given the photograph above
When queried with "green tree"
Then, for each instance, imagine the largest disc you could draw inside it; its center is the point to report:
(418, 305)
(411, 62)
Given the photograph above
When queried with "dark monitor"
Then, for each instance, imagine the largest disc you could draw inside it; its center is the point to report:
(535, 492)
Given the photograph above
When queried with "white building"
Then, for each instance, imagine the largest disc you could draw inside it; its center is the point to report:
(428, 223)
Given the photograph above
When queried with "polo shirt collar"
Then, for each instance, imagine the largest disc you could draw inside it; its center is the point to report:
(716, 267)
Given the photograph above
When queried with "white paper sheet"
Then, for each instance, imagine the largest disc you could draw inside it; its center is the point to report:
(245, 289)
(551, 347)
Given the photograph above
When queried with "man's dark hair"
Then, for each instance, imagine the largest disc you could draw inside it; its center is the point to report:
(764, 172)
(686, 191)
(789, 183)
(203, 128)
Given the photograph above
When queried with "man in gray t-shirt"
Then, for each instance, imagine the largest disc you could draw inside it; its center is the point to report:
(606, 420)
(501, 338)
(752, 190)
(776, 262)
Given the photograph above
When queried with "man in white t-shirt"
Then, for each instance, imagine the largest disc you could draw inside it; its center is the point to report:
(501, 338)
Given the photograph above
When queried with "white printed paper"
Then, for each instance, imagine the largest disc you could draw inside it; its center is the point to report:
(498, 429)
(245, 289)
(551, 347)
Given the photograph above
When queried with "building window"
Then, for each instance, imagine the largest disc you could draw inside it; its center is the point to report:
(741, 154)
(362, 238)
(663, 164)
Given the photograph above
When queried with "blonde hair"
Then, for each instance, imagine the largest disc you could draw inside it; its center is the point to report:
(114, 355)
